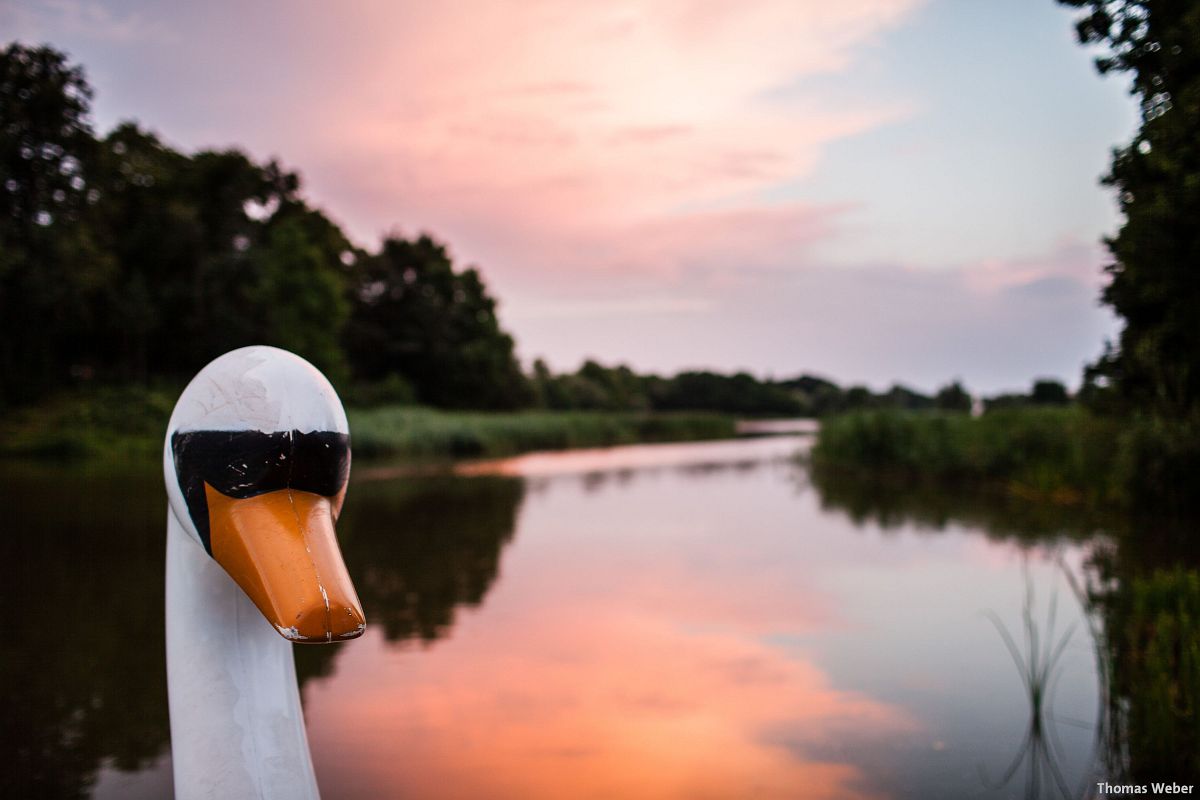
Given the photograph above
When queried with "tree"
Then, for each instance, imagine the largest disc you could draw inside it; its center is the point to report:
(226, 305)
(740, 393)
(154, 236)
(50, 267)
(953, 397)
(902, 397)
(1049, 392)
(1153, 284)
(45, 139)
(1007, 400)
(416, 316)
(123, 259)
(300, 287)
(858, 398)
(817, 396)
(212, 252)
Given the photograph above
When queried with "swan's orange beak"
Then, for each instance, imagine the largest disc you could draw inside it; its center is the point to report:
(280, 547)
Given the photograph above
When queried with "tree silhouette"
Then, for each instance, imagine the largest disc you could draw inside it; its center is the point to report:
(1153, 283)
(417, 317)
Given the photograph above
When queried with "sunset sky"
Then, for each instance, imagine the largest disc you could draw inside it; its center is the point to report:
(873, 190)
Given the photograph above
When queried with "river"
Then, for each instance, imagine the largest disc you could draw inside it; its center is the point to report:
(661, 621)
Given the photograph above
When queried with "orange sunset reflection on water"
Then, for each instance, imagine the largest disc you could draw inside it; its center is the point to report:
(611, 699)
(663, 626)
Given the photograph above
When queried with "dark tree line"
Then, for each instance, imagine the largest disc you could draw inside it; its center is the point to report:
(597, 387)
(1152, 374)
(123, 259)
(1153, 282)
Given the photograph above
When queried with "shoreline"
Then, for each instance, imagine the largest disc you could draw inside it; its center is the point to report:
(122, 431)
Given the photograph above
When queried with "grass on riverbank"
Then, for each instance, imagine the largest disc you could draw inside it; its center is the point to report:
(1062, 454)
(1153, 624)
(118, 424)
(426, 433)
(128, 425)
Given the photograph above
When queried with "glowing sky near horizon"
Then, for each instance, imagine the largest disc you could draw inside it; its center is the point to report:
(874, 190)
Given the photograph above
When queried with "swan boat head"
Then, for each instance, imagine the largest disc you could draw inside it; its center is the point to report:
(256, 460)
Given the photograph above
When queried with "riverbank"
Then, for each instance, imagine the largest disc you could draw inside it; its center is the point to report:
(1064, 455)
(408, 432)
(126, 425)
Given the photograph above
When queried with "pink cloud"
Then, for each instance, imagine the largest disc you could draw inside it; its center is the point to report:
(563, 117)
(666, 247)
(1070, 261)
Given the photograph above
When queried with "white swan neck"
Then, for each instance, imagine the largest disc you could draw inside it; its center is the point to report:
(237, 730)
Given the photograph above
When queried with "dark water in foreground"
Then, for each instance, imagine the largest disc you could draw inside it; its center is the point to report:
(672, 621)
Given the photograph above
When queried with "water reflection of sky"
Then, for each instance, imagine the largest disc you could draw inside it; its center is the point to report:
(680, 621)
(659, 630)
(603, 463)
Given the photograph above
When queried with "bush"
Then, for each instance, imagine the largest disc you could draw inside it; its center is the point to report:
(427, 433)
(1158, 465)
(103, 422)
(1064, 453)
(1154, 625)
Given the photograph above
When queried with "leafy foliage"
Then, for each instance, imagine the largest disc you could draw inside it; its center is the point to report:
(1064, 454)
(953, 398)
(431, 434)
(1154, 632)
(46, 145)
(1045, 392)
(417, 317)
(1153, 284)
(123, 259)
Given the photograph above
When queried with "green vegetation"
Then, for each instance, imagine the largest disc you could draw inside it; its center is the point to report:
(1154, 635)
(117, 424)
(891, 501)
(597, 387)
(1044, 393)
(419, 320)
(429, 433)
(124, 261)
(1155, 366)
(1064, 454)
(127, 425)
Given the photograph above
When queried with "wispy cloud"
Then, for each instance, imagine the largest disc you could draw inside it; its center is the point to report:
(994, 325)
(551, 117)
(618, 308)
(1071, 262)
(86, 19)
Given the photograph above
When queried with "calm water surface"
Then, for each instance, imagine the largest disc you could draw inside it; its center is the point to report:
(671, 621)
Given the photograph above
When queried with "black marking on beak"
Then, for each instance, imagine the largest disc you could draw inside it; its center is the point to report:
(243, 464)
